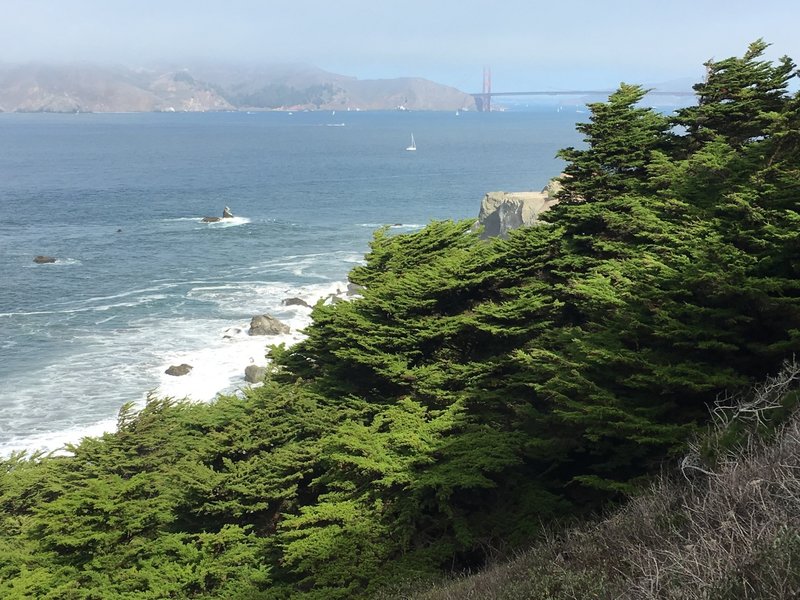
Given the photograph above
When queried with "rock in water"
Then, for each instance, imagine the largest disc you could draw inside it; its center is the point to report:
(295, 302)
(226, 214)
(267, 325)
(353, 289)
(254, 374)
(178, 370)
(42, 260)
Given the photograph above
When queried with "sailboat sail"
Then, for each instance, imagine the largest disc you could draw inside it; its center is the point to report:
(413, 145)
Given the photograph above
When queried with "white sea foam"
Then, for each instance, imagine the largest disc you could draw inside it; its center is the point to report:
(219, 351)
(54, 441)
(127, 361)
(232, 222)
(409, 226)
(144, 299)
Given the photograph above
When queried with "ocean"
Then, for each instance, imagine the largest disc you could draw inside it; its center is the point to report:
(141, 283)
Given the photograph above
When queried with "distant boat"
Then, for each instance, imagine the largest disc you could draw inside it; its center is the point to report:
(413, 145)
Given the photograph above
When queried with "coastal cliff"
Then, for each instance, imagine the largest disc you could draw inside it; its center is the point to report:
(503, 211)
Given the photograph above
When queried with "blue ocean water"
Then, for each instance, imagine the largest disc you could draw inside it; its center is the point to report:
(141, 283)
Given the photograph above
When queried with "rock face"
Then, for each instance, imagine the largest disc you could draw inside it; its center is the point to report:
(178, 370)
(503, 211)
(254, 374)
(41, 259)
(267, 325)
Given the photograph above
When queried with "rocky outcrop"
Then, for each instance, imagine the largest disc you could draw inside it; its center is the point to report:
(295, 302)
(226, 214)
(254, 374)
(503, 211)
(267, 325)
(178, 370)
(43, 260)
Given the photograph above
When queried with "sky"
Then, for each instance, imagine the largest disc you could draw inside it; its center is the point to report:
(529, 44)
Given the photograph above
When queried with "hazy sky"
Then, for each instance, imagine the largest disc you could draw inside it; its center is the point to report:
(528, 43)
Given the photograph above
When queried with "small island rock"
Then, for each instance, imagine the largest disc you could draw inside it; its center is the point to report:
(178, 370)
(42, 259)
(267, 325)
(226, 214)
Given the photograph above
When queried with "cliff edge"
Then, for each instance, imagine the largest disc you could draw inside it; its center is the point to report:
(503, 211)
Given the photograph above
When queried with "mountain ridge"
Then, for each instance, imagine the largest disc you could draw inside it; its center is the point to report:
(85, 87)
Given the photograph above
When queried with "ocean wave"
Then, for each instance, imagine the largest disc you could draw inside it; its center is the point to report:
(127, 361)
(391, 225)
(83, 309)
(55, 441)
(232, 222)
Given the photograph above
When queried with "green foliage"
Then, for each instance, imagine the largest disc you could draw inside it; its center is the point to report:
(280, 95)
(474, 391)
(621, 139)
(739, 99)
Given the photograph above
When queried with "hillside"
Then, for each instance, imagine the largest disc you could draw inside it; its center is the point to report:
(90, 88)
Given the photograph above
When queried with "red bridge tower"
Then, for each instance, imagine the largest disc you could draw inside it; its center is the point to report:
(485, 101)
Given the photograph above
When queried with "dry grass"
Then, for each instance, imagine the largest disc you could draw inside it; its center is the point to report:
(726, 527)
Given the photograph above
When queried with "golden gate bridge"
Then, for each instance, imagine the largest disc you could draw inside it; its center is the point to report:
(483, 101)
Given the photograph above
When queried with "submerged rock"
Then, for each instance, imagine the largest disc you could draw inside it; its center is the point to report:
(211, 219)
(267, 325)
(42, 259)
(178, 370)
(231, 332)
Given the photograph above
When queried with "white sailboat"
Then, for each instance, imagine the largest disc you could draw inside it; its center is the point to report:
(413, 145)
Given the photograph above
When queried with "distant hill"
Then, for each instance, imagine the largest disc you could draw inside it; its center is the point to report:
(92, 88)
